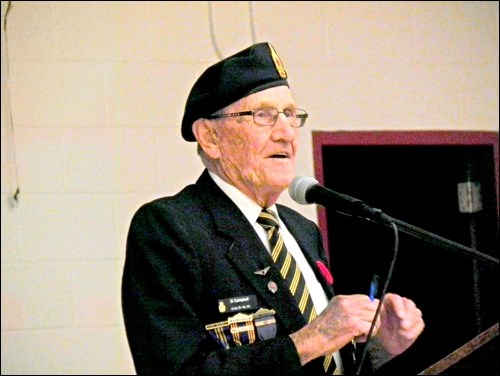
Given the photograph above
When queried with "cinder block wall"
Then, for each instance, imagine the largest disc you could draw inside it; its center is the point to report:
(92, 98)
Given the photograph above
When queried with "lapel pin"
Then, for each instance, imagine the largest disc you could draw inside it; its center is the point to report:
(272, 286)
(262, 271)
(222, 307)
(326, 273)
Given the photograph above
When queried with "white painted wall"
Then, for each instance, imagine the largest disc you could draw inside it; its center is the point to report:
(97, 90)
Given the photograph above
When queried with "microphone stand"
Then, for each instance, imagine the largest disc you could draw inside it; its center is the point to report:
(361, 211)
(379, 217)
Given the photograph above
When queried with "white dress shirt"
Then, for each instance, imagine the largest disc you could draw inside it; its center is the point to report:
(251, 210)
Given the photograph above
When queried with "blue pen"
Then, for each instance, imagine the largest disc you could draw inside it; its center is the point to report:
(373, 287)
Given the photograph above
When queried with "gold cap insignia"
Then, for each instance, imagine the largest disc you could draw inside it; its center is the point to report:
(277, 62)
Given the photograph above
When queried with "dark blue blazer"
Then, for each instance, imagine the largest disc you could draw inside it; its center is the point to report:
(186, 252)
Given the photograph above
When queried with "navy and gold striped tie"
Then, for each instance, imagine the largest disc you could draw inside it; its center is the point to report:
(291, 273)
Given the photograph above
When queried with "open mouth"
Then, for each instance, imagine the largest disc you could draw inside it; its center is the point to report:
(279, 156)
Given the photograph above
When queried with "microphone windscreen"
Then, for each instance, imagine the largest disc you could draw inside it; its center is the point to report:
(299, 187)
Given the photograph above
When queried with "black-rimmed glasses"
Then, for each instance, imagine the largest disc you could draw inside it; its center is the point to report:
(269, 116)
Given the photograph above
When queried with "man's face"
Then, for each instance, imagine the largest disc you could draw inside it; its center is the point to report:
(259, 160)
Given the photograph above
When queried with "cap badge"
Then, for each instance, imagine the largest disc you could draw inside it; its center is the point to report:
(277, 62)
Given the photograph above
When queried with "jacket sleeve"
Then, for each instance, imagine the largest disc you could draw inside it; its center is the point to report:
(162, 305)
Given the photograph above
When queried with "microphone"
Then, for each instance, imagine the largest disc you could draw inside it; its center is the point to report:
(306, 190)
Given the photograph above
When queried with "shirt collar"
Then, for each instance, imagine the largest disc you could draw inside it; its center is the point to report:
(250, 209)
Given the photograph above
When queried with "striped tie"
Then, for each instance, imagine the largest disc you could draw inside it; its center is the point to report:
(291, 273)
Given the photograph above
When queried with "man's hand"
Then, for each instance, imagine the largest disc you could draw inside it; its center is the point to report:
(400, 325)
(346, 317)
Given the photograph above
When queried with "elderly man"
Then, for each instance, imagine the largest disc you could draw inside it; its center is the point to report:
(219, 279)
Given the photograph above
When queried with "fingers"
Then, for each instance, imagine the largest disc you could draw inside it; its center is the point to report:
(399, 306)
(354, 314)
(414, 322)
(407, 313)
(357, 306)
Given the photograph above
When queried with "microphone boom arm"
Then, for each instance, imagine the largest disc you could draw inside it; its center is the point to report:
(438, 240)
(306, 190)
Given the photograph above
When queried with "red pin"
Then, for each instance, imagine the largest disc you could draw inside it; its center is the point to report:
(326, 273)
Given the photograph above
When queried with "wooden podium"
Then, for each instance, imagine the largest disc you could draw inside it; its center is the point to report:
(479, 356)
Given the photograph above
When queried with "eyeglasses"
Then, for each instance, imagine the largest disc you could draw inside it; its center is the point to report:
(269, 116)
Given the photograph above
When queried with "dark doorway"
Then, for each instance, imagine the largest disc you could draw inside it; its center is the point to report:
(414, 177)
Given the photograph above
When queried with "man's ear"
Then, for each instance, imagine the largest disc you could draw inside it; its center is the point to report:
(204, 132)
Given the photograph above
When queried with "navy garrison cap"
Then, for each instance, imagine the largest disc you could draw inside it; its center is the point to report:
(256, 68)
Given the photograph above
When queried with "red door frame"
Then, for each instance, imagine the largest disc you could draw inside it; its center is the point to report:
(380, 138)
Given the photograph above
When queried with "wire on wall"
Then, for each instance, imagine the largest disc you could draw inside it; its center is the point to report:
(213, 37)
(212, 31)
(14, 199)
(252, 22)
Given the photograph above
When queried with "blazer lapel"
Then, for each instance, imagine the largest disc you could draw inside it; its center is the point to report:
(248, 254)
